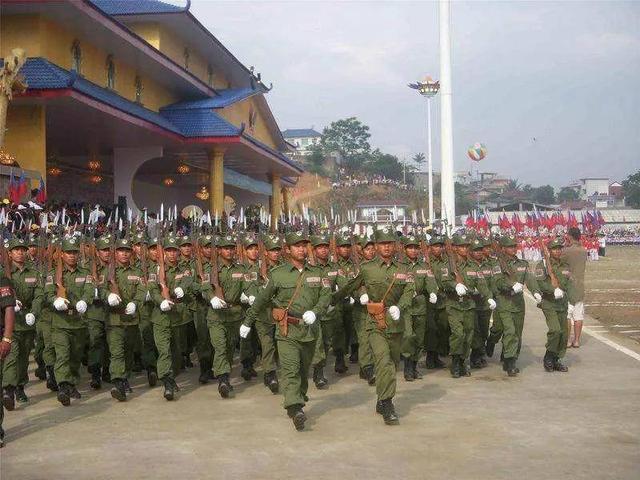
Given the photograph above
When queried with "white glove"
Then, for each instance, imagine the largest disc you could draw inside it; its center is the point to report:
(147, 297)
(178, 292)
(461, 290)
(394, 313)
(433, 298)
(309, 317)
(330, 308)
(538, 297)
(131, 308)
(492, 304)
(30, 319)
(517, 287)
(61, 304)
(252, 299)
(244, 298)
(558, 293)
(570, 309)
(364, 299)
(81, 307)
(244, 331)
(95, 293)
(114, 299)
(18, 306)
(351, 301)
(217, 303)
(166, 305)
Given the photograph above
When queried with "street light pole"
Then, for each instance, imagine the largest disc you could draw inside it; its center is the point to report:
(447, 189)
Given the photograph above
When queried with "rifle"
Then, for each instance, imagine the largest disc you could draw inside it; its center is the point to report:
(198, 262)
(310, 255)
(547, 258)
(262, 252)
(113, 283)
(425, 253)
(215, 280)
(453, 265)
(61, 291)
(162, 273)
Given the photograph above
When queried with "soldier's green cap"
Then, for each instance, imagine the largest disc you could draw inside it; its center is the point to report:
(170, 242)
(365, 240)
(249, 240)
(461, 239)
(319, 239)
(272, 242)
(32, 241)
(139, 237)
(153, 242)
(70, 245)
(557, 242)
(292, 238)
(343, 239)
(206, 240)
(508, 241)
(385, 234)
(123, 243)
(226, 241)
(477, 244)
(16, 243)
(103, 242)
(184, 240)
(437, 240)
(410, 240)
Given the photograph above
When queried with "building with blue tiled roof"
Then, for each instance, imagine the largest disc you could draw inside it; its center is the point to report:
(302, 139)
(136, 101)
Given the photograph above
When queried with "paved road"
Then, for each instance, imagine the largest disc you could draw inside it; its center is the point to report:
(584, 424)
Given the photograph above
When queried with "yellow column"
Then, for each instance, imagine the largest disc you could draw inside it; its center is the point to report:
(285, 200)
(216, 181)
(26, 137)
(275, 199)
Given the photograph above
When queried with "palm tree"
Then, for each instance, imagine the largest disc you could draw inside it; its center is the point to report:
(419, 159)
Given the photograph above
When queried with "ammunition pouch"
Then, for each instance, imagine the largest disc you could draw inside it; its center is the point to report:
(378, 312)
(283, 319)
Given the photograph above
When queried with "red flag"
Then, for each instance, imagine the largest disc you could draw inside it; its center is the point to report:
(23, 185)
(14, 194)
(41, 196)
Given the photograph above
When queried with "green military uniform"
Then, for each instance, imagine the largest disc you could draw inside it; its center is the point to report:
(365, 354)
(437, 330)
(461, 308)
(204, 349)
(386, 282)
(555, 307)
(224, 322)
(68, 327)
(167, 317)
(40, 371)
(424, 282)
(483, 311)
(508, 273)
(327, 319)
(298, 291)
(28, 292)
(187, 333)
(249, 346)
(343, 335)
(96, 318)
(123, 319)
(7, 299)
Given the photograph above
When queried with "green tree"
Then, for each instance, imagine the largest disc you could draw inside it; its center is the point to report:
(314, 162)
(544, 194)
(419, 159)
(631, 188)
(349, 137)
(567, 194)
(384, 164)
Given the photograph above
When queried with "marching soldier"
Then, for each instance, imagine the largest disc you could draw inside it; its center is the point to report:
(343, 330)
(555, 284)
(28, 293)
(483, 311)
(226, 310)
(7, 318)
(298, 294)
(187, 338)
(204, 349)
(462, 280)
(33, 262)
(321, 253)
(510, 275)
(69, 288)
(424, 281)
(388, 295)
(437, 329)
(123, 292)
(97, 316)
(249, 345)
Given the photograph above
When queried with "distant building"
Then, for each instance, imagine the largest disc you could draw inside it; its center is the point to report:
(600, 192)
(381, 212)
(303, 139)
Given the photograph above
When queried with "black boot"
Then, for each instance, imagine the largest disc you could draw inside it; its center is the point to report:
(224, 388)
(106, 376)
(465, 371)
(51, 380)
(389, 412)
(73, 392)
(489, 347)
(246, 370)
(41, 370)
(408, 370)
(439, 363)
(296, 414)
(137, 363)
(205, 371)
(416, 373)
(319, 378)
(379, 409)
(558, 365)
(63, 394)
(152, 376)
(353, 358)
(96, 378)
(548, 361)
(476, 359)
(169, 391)
(430, 361)
(21, 397)
(186, 362)
(118, 390)
(9, 398)
(455, 366)
(371, 374)
(340, 367)
(511, 366)
(271, 381)
(127, 387)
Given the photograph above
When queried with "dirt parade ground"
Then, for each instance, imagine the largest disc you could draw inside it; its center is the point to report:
(584, 424)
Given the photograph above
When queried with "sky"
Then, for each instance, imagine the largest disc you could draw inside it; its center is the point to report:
(551, 88)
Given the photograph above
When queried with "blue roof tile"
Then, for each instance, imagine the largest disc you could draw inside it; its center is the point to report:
(223, 99)
(300, 133)
(136, 7)
(201, 123)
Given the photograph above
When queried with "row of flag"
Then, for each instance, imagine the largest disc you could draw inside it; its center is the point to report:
(20, 187)
(591, 221)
